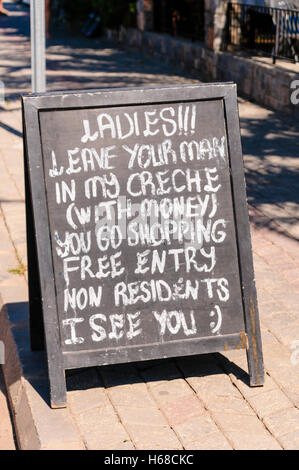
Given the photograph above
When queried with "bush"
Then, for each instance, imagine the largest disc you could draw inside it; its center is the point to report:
(113, 13)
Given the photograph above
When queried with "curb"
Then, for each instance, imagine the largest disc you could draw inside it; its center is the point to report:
(37, 426)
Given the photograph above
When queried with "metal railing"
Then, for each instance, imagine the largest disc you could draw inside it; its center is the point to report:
(263, 30)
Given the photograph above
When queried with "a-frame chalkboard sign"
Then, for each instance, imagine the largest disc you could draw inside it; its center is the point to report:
(138, 233)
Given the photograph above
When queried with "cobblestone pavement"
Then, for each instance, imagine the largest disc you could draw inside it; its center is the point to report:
(200, 402)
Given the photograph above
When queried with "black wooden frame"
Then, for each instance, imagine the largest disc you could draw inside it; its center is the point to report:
(42, 295)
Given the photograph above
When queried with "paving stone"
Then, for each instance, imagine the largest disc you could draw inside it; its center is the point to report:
(248, 392)
(61, 445)
(283, 371)
(259, 441)
(142, 416)
(264, 298)
(290, 441)
(215, 441)
(279, 320)
(81, 401)
(206, 387)
(153, 437)
(170, 390)
(267, 337)
(291, 274)
(14, 292)
(283, 422)
(102, 430)
(288, 334)
(293, 395)
(291, 302)
(125, 445)
(234, 362)
(286, 379)
(181, 409)
(233, 422)
(195, 429)
(287, 244)
(228, 404)
(295, 284)
(269, 309)
(269, 402)
(131, 395)
(90, 419)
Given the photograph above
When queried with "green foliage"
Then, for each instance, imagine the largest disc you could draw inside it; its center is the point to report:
(20, 269)
(113, 13)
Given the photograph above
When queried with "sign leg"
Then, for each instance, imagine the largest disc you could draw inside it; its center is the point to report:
(58, 398)
(35, 305)
(254, 349)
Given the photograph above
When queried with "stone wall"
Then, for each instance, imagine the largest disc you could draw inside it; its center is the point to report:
(263, 83)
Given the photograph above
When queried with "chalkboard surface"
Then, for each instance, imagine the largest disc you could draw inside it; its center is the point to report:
(142, 246)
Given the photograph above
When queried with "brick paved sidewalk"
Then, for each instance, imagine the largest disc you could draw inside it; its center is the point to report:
(191, 403)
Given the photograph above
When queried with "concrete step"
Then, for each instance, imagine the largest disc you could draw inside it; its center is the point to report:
(7, 438)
